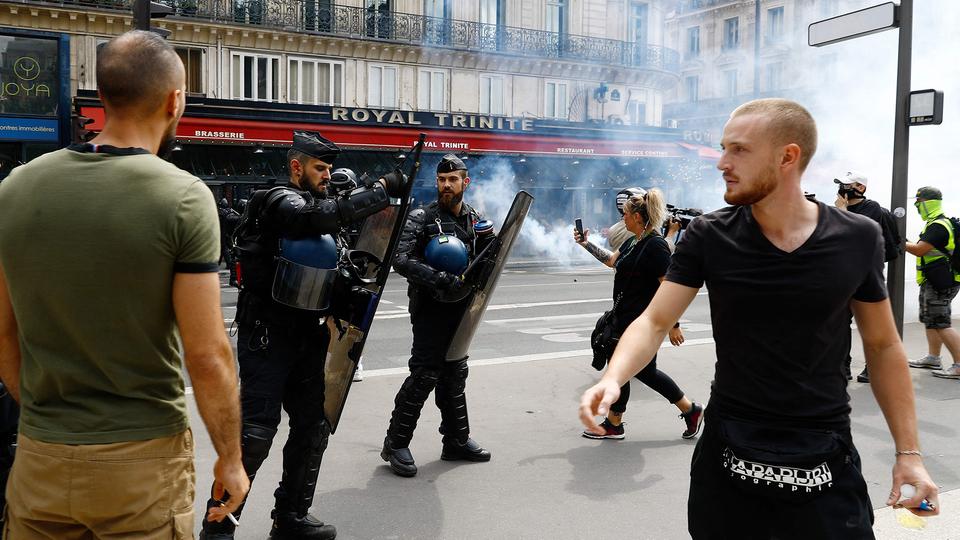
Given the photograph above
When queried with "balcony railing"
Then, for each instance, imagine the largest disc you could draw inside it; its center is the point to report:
(319, 17)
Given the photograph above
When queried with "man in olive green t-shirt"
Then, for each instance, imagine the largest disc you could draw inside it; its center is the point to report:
(108, 255)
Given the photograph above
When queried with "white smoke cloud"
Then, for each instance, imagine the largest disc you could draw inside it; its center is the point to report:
(492, 193)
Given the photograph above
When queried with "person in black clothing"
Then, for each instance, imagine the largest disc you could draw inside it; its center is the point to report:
(9, 422)
(228, 222)
(281, 350)
(783, 274)
(436, 308)
(640, 263)
(850, 196)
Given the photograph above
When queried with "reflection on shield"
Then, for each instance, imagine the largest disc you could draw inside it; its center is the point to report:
(485, 273)
(347, 335)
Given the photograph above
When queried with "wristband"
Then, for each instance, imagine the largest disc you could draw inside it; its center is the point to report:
(677, 324)
(908, 453)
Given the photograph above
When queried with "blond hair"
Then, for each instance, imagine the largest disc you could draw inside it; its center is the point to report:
(655, 205)
(788, 122)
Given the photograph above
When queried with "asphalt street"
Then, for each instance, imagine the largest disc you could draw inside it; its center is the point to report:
(529, 364)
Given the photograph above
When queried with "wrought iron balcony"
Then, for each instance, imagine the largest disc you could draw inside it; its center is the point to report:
(322, 17)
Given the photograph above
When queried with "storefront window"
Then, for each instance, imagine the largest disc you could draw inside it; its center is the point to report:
(28, 76)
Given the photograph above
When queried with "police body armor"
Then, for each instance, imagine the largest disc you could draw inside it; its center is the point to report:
(300, 282)
(433, 232)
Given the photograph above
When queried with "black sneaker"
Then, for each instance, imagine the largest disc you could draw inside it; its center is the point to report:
(863, 377)
(290, 526)
(694, 419)
(610, 431)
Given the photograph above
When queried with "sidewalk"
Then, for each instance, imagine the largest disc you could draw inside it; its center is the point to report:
(944, 527)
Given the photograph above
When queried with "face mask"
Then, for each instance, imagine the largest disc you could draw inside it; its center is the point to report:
(929, 209)
(848, 192)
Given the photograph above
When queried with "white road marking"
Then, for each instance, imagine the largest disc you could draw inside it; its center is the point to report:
(498, 307)
(518, 359)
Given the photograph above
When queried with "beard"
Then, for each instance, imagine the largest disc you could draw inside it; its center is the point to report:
(164, 151)
(451, 201)
(765, 183)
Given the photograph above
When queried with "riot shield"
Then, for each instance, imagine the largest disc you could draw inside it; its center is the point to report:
(489, 265)
(350, 324)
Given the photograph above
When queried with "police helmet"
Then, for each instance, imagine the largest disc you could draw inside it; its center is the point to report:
(626, 194)
(306, 272)
(447, 253)
(343, 180)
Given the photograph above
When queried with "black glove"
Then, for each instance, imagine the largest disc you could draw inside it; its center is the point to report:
(395, 182)
(448, 282)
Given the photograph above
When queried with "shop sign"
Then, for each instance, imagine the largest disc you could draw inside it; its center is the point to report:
(28, 76)
(28, 129)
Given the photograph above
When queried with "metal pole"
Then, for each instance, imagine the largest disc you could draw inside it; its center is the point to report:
(901, 149)
(756, 48)
(141, 14)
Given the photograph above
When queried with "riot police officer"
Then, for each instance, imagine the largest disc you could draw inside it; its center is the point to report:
(435, 246)
(228, 222)
(281, 349)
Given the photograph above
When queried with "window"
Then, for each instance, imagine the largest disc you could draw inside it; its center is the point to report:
(774, 76)
(382, 86)
(775, 25)
(693, 42)
(489, 11)
(378, 18)
(255, 76)
(556, 14)
(731, 33)
(730, 82)
(637, 112)
(555, 100)
(436, 23)
(638, 23)
(193, 63)
(431, 90)
(692, 84)
(491, 94)
(315, 82)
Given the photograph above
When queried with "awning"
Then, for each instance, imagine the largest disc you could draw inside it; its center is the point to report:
(250, 132)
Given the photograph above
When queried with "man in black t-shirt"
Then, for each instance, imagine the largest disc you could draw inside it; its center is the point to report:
(783, 274)
(851, 196)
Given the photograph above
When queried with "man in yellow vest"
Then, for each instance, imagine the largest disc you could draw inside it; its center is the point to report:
(938, 283)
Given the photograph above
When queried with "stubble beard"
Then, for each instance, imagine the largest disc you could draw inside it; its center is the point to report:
(764, 185)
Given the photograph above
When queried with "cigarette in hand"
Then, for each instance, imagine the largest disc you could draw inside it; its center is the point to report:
(232, 519)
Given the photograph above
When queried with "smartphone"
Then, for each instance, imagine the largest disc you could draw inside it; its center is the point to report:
(579, 225)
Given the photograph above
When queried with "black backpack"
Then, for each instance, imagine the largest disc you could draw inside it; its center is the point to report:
(253, 257)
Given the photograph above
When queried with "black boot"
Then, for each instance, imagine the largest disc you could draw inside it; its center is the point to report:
(470, 450)
(400, 459)
(290, 526)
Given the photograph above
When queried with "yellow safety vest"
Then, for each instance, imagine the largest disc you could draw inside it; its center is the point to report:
(935, 254)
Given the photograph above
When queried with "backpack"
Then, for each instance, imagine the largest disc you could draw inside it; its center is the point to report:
(955, 256)
(253, 259)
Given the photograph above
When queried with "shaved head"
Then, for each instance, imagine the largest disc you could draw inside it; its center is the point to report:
(788, 122)
(137, 70)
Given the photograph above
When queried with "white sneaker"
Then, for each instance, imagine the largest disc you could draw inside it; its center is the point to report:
(358, 374)
(927, 362)
(952, 372)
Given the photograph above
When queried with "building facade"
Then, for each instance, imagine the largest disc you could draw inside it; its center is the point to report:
(726, 59)
(570, 92)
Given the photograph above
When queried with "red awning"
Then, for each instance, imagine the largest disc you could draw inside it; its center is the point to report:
(705, 152)
(222, 130)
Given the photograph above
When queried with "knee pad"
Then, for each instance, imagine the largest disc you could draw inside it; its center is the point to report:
(420, 383)
(255, 442)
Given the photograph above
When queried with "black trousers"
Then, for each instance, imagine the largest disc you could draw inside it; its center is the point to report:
(434, 324)
(659, 381)
(718, 510)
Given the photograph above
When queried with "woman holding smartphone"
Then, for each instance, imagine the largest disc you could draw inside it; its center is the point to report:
(641, 263)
